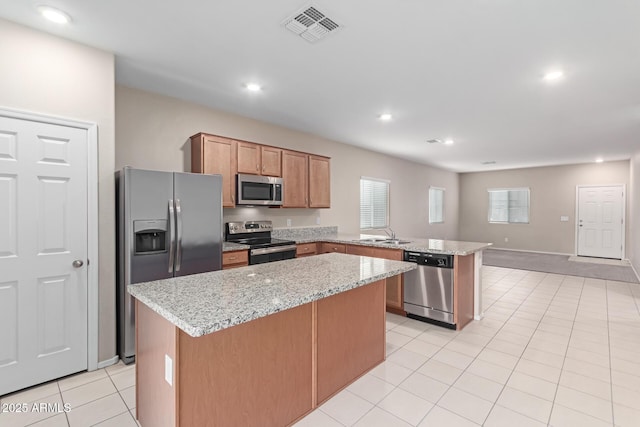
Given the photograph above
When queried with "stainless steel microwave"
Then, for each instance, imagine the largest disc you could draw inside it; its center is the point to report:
(258, 190)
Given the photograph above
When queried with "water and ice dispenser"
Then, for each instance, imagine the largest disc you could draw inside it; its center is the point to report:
(150, 236)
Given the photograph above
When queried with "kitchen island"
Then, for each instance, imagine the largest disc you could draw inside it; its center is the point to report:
(260, 345)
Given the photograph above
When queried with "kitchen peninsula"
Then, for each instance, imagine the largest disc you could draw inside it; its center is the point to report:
(258, 345)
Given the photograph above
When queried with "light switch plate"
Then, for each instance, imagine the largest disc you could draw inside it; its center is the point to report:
(564, 218)
(168, 369)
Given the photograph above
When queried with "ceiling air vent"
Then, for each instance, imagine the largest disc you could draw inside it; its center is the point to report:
(434, 141)
(311, 24)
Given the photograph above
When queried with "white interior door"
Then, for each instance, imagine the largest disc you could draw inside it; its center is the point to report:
(600, 221)
(43, 252)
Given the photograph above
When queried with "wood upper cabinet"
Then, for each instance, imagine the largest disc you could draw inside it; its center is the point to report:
(295, 172)
(271, 161)
(249, 158)
(319, 182)
(212, 154)
(259, 159)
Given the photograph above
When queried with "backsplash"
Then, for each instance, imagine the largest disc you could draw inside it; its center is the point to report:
(297, 233)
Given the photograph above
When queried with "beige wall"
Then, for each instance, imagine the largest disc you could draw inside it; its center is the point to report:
(153, 132)
(48, 75)
(634, 217)
(553, 194)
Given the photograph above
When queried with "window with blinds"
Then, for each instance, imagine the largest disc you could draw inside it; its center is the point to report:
(436, 205)
(374, 203)
(509, 205)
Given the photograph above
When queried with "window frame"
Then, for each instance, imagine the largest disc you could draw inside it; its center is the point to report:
(442, 211)
(387, 207)
(508, 207)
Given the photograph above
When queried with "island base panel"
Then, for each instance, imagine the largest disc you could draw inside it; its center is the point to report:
(255, 374)
(350, 335)
(155, 338)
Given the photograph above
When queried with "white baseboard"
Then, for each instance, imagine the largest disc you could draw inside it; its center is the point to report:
(527, 250)
(634, 270)
(108, 362)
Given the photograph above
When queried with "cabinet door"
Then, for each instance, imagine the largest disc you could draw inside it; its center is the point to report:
(249, 158)
(294, 175)
(271, 161)
(395, 284)
(216, 155)
(319, 182)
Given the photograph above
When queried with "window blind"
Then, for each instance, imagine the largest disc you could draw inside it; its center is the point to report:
(509, 205)
(374, 203)
(436, 205)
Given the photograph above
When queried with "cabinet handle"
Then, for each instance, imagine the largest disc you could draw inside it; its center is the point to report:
(257, 168)
(231, 258)
(233, 199)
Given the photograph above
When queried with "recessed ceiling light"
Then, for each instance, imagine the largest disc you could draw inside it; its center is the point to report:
(253, 87)
(553, 76)
(385, 117)
(448, 141)
(599, 160)
(54, 15)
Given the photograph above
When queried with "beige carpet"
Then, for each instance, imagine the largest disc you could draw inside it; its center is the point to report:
(558, 264)
(620, 262)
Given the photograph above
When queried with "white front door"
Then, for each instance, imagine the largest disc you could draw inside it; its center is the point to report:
(600, 221)
(43, 241)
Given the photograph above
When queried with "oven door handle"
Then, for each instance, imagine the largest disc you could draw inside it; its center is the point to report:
(272, 250)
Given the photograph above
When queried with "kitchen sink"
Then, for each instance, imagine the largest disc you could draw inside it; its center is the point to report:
(371, 240)
(395, 241)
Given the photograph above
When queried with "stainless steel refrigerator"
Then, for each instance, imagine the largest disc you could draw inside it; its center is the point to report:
(169, 224)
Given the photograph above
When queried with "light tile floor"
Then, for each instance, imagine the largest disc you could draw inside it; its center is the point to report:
(552, 350)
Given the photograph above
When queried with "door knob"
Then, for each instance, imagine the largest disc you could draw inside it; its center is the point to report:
(77, 263)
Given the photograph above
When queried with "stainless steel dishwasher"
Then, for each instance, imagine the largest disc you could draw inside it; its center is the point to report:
(428, 290)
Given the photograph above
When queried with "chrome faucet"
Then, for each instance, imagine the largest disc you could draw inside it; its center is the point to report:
(390, 233)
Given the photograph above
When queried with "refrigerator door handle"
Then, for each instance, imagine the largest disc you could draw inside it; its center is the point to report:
(179, 234)
(172, 237)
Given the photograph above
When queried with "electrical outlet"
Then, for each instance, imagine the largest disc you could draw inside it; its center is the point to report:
(317, 220)
(168, 369)
(288, 222)
(564, 218)
(506, 239)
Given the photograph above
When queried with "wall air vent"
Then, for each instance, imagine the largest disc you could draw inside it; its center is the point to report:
(311, 24)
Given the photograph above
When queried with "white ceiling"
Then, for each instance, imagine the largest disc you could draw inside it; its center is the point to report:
(470, 70)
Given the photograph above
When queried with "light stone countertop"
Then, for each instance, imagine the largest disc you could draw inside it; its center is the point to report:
(436, 246)
(230, 246)
(200, 304)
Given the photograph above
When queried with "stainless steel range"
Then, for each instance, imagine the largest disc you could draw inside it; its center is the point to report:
(262, 247)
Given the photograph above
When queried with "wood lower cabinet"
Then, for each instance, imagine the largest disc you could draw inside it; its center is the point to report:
(233, 259)
(319, 182)
(395, 284)
(306, 249)
(326, 248)
(212, 154)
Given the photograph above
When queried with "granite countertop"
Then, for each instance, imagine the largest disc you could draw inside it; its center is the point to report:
(436, 246)
(200, 304)
(230, 246)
